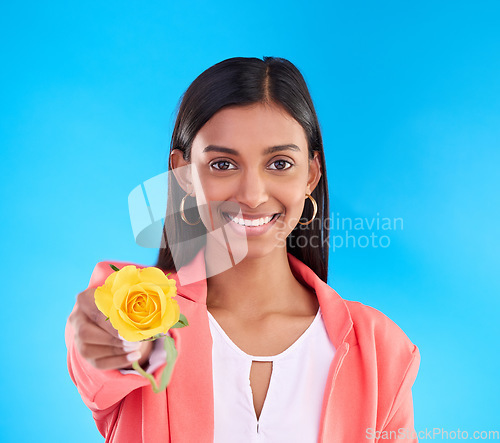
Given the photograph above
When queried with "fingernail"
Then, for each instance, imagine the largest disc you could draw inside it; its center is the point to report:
(134, 356)
(131, 346)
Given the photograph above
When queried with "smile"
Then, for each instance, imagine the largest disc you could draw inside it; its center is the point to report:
(251, 223)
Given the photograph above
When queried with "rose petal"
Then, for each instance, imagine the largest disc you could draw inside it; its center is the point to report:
(147, 317)
(170, 291)
(103, 300)
(158, 330)
(151, 304)
(136, 303)
(157, 290)
(172, 314)
(152, 321)
(154, 275)
(119, 296)
(126, 276)
(127, 320)
(108, 284)
(127, 331)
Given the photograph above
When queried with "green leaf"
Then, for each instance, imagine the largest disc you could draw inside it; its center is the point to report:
(171, 359)
(114, 268)
(181, 323)
(166, 275)
(107, 318)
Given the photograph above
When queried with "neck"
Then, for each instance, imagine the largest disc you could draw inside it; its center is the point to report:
(257, 286)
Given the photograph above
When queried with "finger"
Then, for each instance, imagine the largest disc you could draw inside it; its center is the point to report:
(86, 303)
(90, 333)
(93, 352)
(85, 330)
(123, 361)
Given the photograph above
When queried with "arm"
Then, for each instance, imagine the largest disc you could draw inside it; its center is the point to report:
(400, 423)
(100, 388)
(96, 353)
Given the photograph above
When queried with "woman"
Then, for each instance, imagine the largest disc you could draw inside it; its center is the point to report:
(272, 353)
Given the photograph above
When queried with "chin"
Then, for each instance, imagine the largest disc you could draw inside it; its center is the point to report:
(256, 251)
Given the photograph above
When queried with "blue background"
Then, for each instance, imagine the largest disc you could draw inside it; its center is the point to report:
(408, 97)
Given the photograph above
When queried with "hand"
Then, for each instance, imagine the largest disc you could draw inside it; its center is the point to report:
(98, 342)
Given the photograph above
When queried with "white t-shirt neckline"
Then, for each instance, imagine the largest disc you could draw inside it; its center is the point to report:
(292, 408)
(292, 348)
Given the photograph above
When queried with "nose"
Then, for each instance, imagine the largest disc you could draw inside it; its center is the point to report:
(252, 189)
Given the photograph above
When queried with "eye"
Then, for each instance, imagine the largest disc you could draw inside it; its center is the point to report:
(223, 165)
(281, 164)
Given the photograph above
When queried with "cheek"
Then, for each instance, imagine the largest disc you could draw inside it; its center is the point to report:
(292, 202)
(205, 184)
(293, 197)
(199, 184)
(210, 194)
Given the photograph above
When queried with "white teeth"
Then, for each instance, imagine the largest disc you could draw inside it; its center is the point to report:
(256, 222)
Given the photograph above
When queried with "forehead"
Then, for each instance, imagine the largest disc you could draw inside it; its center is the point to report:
(254, 126)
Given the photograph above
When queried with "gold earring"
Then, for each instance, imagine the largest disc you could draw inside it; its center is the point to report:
(183, 216)
(315, 209)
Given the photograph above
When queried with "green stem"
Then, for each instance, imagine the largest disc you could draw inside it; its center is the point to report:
(150, 377)
(167, 370)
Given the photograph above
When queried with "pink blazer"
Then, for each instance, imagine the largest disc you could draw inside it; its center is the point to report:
(367, 397)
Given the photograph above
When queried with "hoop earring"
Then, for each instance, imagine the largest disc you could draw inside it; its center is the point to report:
(315, 209)
(183, 216)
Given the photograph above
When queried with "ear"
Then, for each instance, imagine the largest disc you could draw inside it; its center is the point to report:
(314, 173)
(182, 170)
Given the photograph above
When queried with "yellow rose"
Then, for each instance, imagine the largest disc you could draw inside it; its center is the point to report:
(138, 302)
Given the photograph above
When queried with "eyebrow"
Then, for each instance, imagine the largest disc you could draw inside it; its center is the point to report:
(287, 147)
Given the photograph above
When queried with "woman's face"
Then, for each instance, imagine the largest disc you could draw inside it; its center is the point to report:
(251, 162)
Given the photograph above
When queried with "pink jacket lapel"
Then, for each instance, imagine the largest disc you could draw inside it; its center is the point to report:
(190, 392)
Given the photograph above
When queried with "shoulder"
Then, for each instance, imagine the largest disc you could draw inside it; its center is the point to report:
(383, 361)
(367, 319)
(380, 337)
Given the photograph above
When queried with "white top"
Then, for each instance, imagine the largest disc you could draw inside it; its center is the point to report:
(292, 407)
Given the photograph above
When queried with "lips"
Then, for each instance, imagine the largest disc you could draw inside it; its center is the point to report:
(249, 216)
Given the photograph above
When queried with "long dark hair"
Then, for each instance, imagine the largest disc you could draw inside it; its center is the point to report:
(245, 81)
